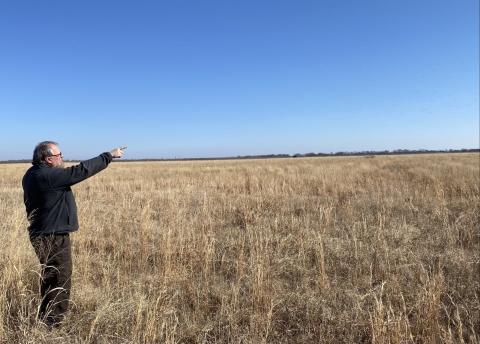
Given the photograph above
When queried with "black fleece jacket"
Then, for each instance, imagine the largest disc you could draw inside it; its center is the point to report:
(48, 198)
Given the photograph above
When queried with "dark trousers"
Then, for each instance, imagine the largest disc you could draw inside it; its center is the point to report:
(55, 255)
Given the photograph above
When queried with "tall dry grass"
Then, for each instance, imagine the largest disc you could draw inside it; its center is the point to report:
(319, 250)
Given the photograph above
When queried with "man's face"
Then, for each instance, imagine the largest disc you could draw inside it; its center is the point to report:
(56, 159)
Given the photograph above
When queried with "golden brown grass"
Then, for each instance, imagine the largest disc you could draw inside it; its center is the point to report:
(305, 250)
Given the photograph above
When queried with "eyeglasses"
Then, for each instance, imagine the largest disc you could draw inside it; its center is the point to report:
(58, 155)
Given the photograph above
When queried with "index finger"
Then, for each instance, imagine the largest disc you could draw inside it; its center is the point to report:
(122, 147)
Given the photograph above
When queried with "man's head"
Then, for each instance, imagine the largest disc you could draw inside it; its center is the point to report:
(47, 152)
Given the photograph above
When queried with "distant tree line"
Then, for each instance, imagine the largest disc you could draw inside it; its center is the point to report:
(297, 155)
(387, 152)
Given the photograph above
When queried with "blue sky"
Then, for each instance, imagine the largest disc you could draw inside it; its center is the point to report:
(226, 78)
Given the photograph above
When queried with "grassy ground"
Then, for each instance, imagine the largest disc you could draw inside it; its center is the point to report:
(305, 250)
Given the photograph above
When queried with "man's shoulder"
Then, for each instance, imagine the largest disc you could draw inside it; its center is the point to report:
(30, 176)
(43, 168)
(31, 170)
(38, 170)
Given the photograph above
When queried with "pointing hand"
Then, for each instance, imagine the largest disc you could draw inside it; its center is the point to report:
(118, 152)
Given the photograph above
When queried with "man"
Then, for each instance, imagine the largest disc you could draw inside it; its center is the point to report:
(52, 214)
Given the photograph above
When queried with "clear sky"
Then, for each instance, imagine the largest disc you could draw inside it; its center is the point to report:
(221, 78)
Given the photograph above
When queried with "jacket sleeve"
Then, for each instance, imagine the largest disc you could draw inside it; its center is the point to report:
(59, 178)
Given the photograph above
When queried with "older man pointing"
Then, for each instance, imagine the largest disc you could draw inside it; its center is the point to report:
(52, 213)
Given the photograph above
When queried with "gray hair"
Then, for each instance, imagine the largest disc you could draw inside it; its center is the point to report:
(42, 150)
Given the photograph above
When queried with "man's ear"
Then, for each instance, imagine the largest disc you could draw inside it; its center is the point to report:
(48, 160)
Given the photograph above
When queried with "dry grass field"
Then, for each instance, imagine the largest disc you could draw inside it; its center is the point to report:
(304, 250)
